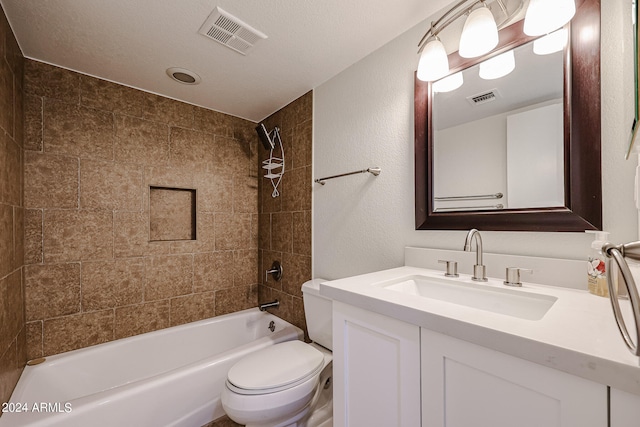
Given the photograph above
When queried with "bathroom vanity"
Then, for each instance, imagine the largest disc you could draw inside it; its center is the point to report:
(415, 348)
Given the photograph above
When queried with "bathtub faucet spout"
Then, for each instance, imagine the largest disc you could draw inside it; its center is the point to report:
(266, 305)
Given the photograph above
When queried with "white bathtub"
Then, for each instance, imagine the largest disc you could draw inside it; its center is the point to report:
(171, 377)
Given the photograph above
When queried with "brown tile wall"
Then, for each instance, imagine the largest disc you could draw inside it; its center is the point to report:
(172, 214)
(12, 322)
(92, 150)
(285, 221)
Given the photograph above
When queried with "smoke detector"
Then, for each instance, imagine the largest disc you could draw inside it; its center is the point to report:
(230, 31)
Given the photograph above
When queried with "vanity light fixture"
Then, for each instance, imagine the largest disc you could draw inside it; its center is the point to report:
(449, 83)
(434, 63)
(498, 66)
(480, 32)
(550, 43)
(545, 16)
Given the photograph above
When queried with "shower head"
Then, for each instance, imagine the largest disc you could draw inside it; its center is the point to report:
(264, 137)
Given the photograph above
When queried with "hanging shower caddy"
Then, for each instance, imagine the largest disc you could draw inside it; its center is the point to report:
(274, 165)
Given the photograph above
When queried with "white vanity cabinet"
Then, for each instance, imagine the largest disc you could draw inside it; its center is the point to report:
(376, 369)
(464, 384)
(625, 409)
(413, 348)
(392, 373)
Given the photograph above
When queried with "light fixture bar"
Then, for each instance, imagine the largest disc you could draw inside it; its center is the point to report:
(436, 26)
(459, 9)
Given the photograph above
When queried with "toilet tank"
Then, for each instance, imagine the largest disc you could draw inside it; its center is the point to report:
(318, 311)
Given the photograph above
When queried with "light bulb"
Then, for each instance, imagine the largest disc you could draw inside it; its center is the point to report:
(498, 66)
(479, 34)
(545, 16)
(434, 63)
(449, 83)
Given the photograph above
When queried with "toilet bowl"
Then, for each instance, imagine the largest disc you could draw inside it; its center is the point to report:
(287, 384)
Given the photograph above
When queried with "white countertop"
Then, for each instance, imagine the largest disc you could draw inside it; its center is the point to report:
(578, 334)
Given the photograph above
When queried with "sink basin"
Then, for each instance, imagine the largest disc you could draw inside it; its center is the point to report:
(510, 302)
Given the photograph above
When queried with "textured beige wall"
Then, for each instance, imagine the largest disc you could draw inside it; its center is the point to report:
(92, 150)
(12, 324)
(285, 221)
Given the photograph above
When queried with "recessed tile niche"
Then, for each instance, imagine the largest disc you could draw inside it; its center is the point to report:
(172, 214)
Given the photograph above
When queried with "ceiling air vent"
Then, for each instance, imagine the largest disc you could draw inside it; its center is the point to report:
(230, 31)
(483, 98)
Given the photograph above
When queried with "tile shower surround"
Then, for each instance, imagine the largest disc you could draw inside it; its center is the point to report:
(285, 221)
(92, 150)
(78, 214)
(12, 324)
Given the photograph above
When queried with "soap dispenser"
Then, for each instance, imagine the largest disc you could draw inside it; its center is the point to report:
(596, 267)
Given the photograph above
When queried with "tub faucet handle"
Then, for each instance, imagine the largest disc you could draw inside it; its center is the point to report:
(275, 271)
(452, 268)
(513, 275)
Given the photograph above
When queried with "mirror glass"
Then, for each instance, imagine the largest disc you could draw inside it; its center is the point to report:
(498, 143)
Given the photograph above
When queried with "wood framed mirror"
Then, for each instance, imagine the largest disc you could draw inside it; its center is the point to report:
(581, 128)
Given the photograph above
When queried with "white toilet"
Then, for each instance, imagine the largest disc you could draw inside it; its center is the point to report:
(288, 384)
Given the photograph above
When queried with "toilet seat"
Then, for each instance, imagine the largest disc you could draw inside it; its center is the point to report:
(275, 368)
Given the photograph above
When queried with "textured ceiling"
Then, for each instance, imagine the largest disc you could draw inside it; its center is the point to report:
(134, 42)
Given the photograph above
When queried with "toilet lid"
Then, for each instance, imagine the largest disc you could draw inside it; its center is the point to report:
(276, 367)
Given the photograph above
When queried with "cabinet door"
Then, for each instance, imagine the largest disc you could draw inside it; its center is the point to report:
(376, 370)
(625, 409)
(467, 385)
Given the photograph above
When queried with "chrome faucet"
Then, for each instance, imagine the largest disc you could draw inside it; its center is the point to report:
(479, 271)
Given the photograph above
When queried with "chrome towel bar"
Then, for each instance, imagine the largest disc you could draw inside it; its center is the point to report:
(373, 171)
